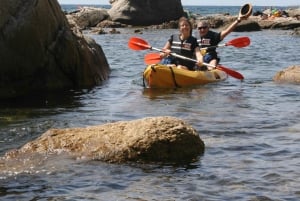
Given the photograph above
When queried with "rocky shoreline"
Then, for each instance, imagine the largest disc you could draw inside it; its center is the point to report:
(98, 20)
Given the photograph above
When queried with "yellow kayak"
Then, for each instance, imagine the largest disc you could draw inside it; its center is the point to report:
(163, 76)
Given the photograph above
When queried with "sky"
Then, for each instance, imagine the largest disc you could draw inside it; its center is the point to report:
(201, 3)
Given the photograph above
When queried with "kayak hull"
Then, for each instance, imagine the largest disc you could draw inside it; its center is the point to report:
(163, 76)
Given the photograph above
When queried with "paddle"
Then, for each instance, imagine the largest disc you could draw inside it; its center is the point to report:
(135, 43)
(237, 42)
(140, 44)
(152, 58)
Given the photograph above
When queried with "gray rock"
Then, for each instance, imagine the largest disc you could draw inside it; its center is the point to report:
(40, 52)
(89, 16)
(145, 12)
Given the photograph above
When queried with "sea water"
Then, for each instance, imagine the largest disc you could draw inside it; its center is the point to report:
(251, 129)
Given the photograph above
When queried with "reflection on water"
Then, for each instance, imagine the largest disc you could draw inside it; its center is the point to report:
(66, 98)
(171, 93)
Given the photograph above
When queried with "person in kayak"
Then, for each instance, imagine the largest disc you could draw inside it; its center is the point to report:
(209, 39)
(182, 44)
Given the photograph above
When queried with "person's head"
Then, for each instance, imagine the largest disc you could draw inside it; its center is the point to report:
(203, 27)
(185, 26)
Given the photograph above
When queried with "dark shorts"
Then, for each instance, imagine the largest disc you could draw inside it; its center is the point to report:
(168, 60)
(208, 57)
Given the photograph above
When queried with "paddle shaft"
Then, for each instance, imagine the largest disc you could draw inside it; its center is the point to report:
(212, 47)
(190, 59)
(237, 42)
(227, 70)
(148, 46)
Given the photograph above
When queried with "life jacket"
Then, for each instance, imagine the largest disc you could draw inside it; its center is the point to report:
(210, 39)
(185, 48)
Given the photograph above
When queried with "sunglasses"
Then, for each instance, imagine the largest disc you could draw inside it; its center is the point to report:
(205, 27)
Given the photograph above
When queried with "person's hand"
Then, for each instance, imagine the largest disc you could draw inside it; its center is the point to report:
(199, 63)
(162, 55)
(165, 53)
(242, 17)
(203, 51)
(245, 12)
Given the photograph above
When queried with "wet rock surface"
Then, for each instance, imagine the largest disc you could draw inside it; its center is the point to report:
(152, 139)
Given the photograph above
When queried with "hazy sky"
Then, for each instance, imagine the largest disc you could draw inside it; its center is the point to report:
(203, 2)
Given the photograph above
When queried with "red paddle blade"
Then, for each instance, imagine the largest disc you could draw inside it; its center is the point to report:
(239, 42)
(152, 58)
(231, 72)
(135, 43)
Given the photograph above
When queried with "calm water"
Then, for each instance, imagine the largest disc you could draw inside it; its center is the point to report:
(250, 129)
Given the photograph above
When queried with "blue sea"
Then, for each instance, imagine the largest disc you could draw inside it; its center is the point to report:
(251, 129)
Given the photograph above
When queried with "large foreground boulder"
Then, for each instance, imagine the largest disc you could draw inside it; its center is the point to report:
(145, 12)
(153, 139)
(39, 51)
(288, 75)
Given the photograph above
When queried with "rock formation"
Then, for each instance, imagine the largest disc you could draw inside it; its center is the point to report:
(152, 139)
(39, 51)
(145, 12)
(288, 75)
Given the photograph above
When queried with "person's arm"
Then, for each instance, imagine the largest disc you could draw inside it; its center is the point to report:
(229, 29)
(199, 56)
(166, 50)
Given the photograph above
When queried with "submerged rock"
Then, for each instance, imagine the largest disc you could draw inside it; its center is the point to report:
(153, 139)
(288, 75)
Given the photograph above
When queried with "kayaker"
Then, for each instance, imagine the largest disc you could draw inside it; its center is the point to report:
(207, 38)
(182, 44)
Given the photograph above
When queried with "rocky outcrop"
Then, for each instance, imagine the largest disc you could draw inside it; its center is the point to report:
(129, 15)
(152, 139)
(283, 23)
(293, 12)
(296, 31)
(89, 16)
(288, 75)
(223, 21)
(253, 23)
(145, 12)
(247, 25)
(39, 51)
